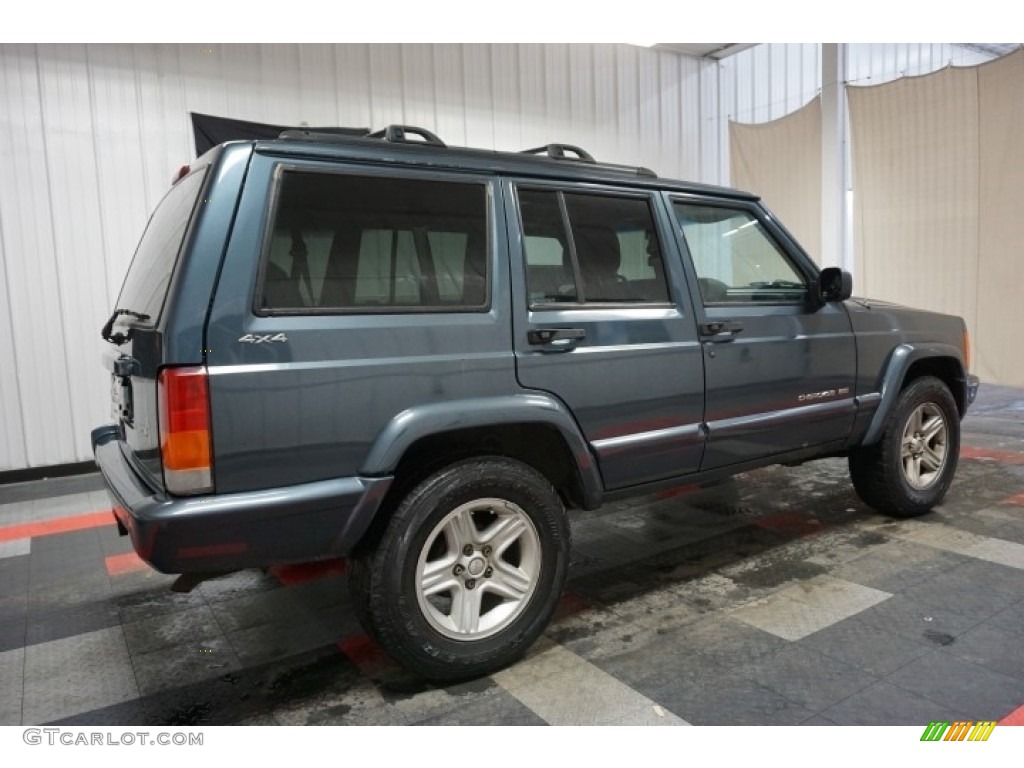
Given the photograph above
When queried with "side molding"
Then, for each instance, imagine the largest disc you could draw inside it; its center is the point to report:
(422, 421)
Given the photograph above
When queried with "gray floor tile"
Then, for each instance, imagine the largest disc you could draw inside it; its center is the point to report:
(994, 648)
(238, 584)
(946, 679)
(1011, 619)
(13, 631)
(270, 642)
(278, 606)
(12, 676)
(185, 664)
(958, 591)
(727, 700)
(76, 619)
(810, 606)
(76, 674)
(897, 565)
(916, 620)
(868, 647)
(496, 707)
(887, 704)
(806, 678)
(191, 626)
(149, 602)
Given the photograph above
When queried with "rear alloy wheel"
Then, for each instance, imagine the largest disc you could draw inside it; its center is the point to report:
(469, 570)
(909, 470)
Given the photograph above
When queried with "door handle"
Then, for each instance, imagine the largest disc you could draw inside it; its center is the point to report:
(556, 339)
(720, 327)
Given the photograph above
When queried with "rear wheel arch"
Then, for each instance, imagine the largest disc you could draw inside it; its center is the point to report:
(540, 445)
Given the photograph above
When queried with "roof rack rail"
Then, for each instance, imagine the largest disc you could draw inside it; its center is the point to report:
(557, 152)
(397, 133)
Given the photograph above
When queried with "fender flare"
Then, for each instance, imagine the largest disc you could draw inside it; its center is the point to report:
(421, 421)
(902, 357)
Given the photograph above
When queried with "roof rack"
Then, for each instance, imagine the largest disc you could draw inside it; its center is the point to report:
(400, 134)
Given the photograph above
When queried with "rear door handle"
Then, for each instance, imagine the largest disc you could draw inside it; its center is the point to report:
(556, 339)
(721, 327)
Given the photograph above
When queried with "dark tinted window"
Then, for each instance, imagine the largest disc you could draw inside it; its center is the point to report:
(609, 254)
(363, 243)
(149, 276)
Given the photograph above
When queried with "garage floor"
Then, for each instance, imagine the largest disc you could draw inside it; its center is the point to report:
(776, 599)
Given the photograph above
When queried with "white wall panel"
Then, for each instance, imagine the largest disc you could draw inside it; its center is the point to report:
(91, 135)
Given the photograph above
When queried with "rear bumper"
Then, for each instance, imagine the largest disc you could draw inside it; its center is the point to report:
(206, 534)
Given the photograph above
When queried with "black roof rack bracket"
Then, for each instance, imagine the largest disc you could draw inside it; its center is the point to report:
(398, 134)
(557, 152)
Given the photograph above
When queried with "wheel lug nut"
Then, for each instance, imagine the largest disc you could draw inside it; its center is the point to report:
(488, 572)
(458, 569)
(470, 583)
(467, 550)
(486, 551)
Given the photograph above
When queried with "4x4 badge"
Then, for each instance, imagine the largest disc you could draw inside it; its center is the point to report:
(262, 338)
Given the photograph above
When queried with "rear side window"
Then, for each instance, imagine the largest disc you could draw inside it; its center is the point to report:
(347, 243)
(590, 249)
(145, 286)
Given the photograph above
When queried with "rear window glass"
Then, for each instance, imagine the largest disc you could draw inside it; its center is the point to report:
(149, 276)
(346, 243)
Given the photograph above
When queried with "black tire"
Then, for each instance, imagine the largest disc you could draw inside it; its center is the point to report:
(885, 478)
(389, 584)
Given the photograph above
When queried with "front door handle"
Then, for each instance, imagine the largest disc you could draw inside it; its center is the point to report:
(556, 339)
(721, 328)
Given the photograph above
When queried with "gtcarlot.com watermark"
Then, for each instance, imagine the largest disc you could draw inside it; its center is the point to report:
(70, 737)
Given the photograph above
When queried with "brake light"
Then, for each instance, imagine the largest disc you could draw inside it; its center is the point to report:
(185, 446)
(967, 350)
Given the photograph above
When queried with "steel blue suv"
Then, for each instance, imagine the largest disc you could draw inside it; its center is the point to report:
(419, 357)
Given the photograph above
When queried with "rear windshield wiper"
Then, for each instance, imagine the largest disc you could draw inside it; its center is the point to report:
(120, 338)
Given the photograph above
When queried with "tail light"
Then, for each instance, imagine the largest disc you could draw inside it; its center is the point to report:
(967, 350)
(185, 445)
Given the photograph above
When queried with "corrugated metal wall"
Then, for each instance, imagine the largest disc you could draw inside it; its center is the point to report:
(90, 135)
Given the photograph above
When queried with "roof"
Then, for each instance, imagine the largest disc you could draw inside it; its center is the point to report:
(555, 161)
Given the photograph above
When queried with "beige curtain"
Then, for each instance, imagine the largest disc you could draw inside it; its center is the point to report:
(781, 162)
(938, 178)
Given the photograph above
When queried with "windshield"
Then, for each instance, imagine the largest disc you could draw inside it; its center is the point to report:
(145, 287)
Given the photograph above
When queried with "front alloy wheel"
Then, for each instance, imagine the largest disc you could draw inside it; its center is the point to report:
(923, 448)
(910, 468)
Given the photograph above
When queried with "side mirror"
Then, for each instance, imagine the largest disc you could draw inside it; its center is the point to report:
(835, 284)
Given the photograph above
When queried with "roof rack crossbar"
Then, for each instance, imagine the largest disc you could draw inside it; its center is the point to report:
(397, 133)
(557, 152)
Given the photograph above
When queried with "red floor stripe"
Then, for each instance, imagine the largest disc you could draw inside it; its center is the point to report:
(1003, 457)
(1018, 499)
(1014, 718)
(569, 605)
(58, 525)
(681, 490)
(362, 651)
(300, 573)
(791, 523)
(128, 562)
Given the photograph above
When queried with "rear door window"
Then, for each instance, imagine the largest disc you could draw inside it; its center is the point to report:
(590, 249)
(145, 286)
(352, 243)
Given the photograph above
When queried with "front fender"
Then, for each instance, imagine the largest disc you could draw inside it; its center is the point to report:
(900, 361)
(430, 419)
